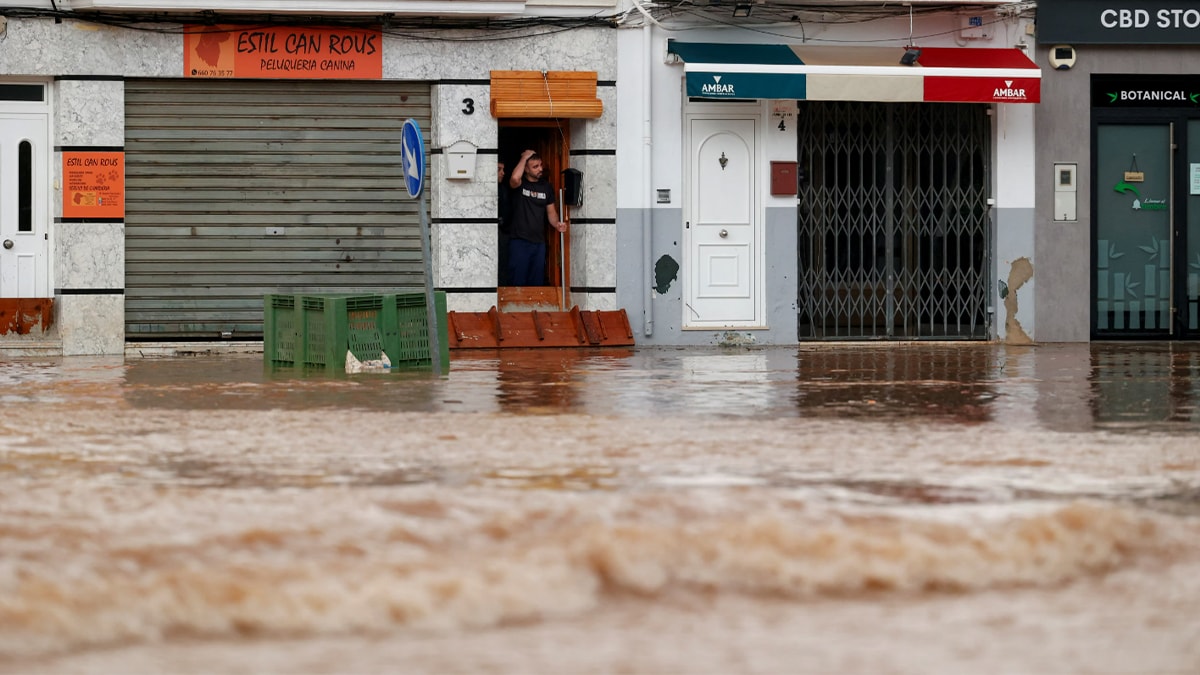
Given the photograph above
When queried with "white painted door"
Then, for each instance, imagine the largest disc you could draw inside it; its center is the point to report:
(721, 249)
(23, 204)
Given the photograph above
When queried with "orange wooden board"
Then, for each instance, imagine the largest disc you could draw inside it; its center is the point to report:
(575, 328)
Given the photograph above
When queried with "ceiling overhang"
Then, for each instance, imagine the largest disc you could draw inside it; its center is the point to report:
(325, 7)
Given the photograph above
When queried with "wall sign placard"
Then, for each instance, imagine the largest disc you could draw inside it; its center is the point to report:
(1119, 22)
(283, 52)
(1145, 91)
(93, 185)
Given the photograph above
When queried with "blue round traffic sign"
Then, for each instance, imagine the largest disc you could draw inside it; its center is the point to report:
(412, 157)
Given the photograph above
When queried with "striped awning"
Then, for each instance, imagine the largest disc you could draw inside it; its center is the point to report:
(778, 71)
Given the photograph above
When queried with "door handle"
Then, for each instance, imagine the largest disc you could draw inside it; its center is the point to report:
(8, 243)
(723, 233)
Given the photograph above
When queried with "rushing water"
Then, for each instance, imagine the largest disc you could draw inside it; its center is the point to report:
(891, 508)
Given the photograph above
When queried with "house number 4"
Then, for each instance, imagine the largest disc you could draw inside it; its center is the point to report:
(468, 106)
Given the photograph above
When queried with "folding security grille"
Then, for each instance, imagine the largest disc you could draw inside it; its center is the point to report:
(894, 230)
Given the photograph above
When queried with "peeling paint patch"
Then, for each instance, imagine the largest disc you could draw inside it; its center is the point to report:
(1020, 273)
(666, 270)
(26, 316)
(732, 339)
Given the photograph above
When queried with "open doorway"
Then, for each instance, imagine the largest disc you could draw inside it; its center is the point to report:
(551, 140)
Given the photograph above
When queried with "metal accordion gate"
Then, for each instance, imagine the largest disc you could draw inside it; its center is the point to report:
(894, 227)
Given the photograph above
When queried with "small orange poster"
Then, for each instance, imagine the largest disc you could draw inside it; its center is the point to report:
(283, 52)
(93, 185)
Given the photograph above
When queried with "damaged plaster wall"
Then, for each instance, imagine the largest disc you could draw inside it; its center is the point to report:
(1019, 274)
(663, 281)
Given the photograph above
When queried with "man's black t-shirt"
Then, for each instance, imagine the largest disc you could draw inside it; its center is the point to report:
(529, 210)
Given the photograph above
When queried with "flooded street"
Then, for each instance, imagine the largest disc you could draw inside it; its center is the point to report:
(845, 508)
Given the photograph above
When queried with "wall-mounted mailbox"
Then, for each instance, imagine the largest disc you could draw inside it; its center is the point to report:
(460, 160)
(572, 187)
(783, 178)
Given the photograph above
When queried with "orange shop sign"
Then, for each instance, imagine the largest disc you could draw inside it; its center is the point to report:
(283, 52)
(94, 184)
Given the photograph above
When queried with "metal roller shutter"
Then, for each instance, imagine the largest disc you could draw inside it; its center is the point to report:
(236, 189)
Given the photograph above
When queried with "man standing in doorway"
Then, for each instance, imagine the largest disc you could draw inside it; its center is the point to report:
(532, 206)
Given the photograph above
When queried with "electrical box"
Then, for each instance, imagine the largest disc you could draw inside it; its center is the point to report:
(460, 161)
(1066, 191)
(976, 27)
(783, 178)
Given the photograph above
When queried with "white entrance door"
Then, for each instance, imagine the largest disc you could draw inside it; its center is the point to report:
(23, 202)
(721, 235)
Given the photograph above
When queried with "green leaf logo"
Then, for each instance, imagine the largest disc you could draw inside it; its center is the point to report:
(1112, 98)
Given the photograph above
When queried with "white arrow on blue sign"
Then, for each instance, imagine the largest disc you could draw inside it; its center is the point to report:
(412, 158)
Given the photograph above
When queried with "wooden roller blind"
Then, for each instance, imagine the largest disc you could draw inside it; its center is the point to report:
(532, 93)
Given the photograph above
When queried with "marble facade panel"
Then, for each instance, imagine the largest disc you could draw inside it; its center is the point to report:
(89, 112)
(470, 302)
(462, 113)
(583, 49)
(595, 301)
(40, 47)
(474, 198)
(599, 186)
(91, 324)
(89, 255)
(465, 255)
(593, 254)
(598, 134)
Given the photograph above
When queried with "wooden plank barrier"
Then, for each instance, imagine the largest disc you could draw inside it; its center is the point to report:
(574, 328)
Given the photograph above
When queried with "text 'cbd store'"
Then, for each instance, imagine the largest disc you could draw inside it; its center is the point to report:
(832, 192)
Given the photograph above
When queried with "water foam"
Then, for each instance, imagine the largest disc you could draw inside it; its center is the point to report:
(459, 565)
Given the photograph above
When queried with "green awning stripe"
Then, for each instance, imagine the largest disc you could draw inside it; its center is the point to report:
(746, 85)
(715, 52)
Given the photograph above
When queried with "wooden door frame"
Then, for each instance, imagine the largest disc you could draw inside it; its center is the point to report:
(555, 153)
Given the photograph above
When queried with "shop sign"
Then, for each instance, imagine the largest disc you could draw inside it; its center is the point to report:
(1139, 203)
(94, 185)
(1145, 91)
(283, 52)
(983, 89)
(1124, 22)
(746, 85)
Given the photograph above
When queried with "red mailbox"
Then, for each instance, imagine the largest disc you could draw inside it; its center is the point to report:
(783, 178)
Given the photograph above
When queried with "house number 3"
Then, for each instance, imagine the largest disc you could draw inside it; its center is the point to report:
(468, 106)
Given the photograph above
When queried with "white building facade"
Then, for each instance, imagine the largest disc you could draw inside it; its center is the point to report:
(832, 172)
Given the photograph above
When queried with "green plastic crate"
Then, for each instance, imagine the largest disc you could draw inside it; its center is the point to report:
(315, 331)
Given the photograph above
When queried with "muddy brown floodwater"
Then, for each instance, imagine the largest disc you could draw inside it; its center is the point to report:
(906, 508)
